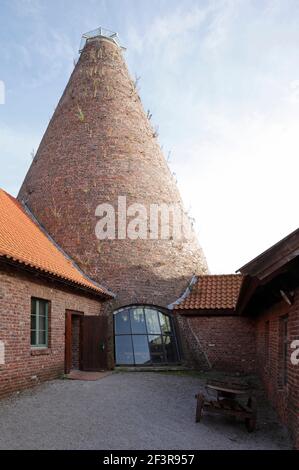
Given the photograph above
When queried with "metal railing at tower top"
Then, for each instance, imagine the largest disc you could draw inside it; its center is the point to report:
(100, 33)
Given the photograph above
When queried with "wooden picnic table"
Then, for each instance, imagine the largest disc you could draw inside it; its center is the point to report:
(226, 402)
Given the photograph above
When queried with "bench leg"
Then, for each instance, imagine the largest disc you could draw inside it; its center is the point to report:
(251, 422)
(199, 407)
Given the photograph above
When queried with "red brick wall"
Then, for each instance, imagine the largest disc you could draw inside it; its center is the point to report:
(23, 366)
(219, 342)
(284, 398)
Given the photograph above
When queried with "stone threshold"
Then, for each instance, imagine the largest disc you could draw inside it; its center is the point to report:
(152, 369)
(87, 376)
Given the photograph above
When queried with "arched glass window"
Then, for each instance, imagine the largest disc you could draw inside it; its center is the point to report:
(144, 336)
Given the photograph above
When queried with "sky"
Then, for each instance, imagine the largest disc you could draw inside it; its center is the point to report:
(221, 79)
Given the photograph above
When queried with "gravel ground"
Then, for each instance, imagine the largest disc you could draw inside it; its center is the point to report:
(127, 411)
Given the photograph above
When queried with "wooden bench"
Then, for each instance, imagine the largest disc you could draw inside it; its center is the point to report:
(227, 404)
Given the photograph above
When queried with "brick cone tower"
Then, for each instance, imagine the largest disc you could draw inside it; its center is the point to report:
(100, 145)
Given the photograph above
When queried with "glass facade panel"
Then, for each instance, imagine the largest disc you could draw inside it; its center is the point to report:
(144, 336)
(122, 323)
(165, 323)
(170, 348)
(156, 349)
(152, 321)
(137, 321)
(124, 350)
(141, 350)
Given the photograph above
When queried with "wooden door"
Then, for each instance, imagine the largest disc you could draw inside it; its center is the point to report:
(94, 343)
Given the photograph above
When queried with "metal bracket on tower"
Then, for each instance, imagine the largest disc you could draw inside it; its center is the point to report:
(100, 33)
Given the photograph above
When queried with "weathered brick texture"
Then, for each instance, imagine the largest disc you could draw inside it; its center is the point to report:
(224, 343)
(285, 398)
(100, 145)
(24, 366)
(76, 342)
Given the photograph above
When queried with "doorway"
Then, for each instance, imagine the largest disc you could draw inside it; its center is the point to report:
(85, 342)
(73, 340)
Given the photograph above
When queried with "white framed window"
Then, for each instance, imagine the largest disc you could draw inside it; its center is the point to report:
(39, 323)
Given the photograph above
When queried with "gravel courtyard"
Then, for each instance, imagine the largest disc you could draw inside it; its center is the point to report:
(126, 411)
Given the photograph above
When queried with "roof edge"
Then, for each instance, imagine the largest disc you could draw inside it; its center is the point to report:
(268, 251)
(185, 294)
(54, 277)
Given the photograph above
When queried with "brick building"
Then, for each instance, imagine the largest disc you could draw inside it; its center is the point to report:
(100, 146)
(249, 323)
(270, 297)
(42, 296)
(213, 334)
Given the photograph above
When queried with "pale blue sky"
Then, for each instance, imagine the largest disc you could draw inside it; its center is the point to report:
(221, 78)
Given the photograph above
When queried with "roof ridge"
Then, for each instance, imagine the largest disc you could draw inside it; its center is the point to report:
(220, 275)
(185, 294)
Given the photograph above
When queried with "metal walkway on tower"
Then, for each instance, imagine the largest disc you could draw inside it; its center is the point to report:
(100, 33)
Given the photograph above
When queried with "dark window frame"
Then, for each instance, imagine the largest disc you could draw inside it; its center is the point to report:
(161, 334)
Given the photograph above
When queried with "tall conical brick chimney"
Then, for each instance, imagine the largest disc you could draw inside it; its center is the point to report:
(100, 145)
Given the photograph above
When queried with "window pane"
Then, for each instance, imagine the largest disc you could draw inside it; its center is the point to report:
(42, 308)
(124, 350)
(42, 323)
(156, 348)
(42, 338)
(141, 349)
(33, 322)
(137, 321)
(122, 322)
(152, 321)
(33, 307)
(170, 349)
(165, 323)
(33, 336)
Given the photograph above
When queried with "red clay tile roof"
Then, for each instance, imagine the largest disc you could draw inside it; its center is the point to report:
(23, 241)
(211, 292)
